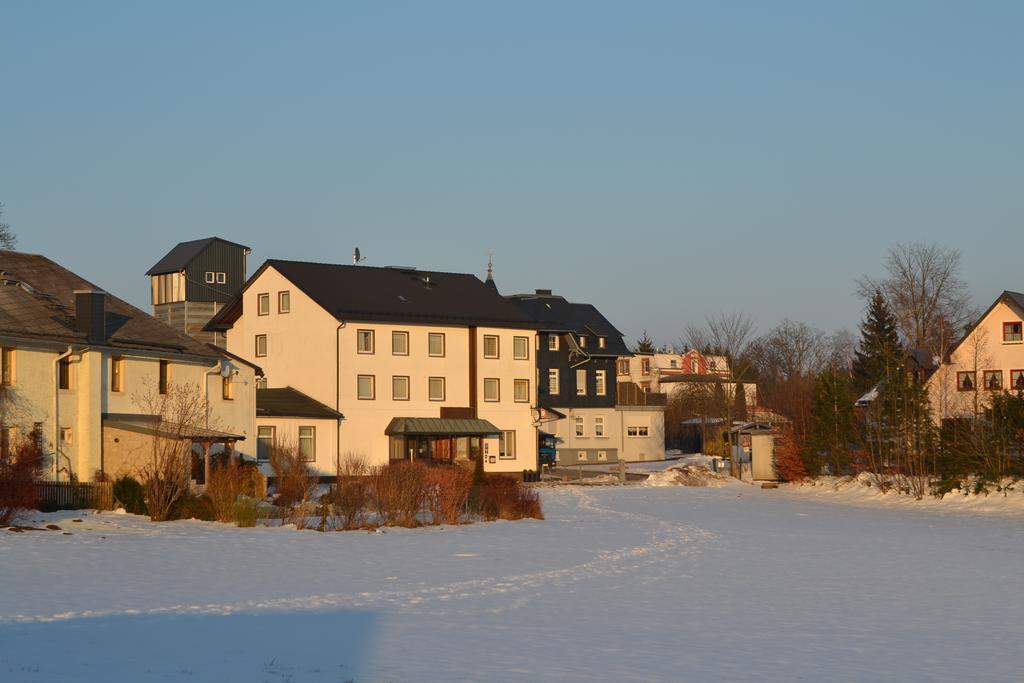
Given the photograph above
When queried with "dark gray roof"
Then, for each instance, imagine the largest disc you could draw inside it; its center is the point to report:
(289, 402)
(37, 301)
(391, 295)
(440, 426)
(180, 256)
(148, 424)
(555, 314)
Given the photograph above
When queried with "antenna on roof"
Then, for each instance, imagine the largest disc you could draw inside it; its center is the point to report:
(357, 257)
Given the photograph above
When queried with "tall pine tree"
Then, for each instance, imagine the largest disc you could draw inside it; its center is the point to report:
(832, 427)
(879, 346)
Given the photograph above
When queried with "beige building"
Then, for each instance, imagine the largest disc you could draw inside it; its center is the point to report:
(988, 360)
(421, 364)
(79, 366)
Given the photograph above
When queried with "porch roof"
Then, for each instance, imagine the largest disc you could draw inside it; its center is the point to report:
(440, 426)
(151, 424)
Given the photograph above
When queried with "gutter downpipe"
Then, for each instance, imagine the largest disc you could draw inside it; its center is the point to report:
(216, 369)
(56, 411)
(337, 394)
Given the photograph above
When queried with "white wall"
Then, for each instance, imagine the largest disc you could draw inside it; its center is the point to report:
(287, 433)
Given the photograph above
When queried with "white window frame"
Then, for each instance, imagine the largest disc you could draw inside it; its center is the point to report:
(524, 385)
(601, 382)
(311, 437)
(263, 353)
(211, 277)
(599, 426)
(554, 381)
(399, 334)
(364, 334)
(580, 426)
(395, 380)
(436, 336)
(525, 342)
(261, 438)
(373, 388)
(222, 278)
(284, 301)
(638, 431)
(602, 342)
(431, 383)
(497, 346)
(492, 382)
(553, 342)
(581, 387)
(504, 452)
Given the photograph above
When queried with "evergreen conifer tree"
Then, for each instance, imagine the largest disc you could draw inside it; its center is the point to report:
(832, 426)
(879, 346)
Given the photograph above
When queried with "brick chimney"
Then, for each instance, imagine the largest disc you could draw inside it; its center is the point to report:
(91, 315)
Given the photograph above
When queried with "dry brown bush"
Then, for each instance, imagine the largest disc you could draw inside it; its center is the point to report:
(229, 479)
(448, 490)
(399, 489)
(789, 463)
(19, 468)
(292, 480)
(352, 493)
(504, 497)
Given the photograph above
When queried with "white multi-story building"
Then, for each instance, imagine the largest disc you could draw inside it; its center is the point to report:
(419, 364)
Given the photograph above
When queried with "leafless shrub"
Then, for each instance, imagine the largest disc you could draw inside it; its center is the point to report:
(448, 491)
(352, 492)
(19, 467)
(503, 497)
(293, 482)
(399, 489)
(229, 479)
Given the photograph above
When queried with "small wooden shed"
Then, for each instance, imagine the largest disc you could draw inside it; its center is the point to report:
(754, 448)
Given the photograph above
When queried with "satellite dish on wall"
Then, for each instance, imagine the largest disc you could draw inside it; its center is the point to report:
(357, 256)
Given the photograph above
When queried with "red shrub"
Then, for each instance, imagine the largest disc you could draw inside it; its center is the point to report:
(504, 497)
(448, 489)
(18, 472)
(399, 488)
(789, 464)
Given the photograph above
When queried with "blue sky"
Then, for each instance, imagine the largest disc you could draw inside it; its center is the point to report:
(660, 160)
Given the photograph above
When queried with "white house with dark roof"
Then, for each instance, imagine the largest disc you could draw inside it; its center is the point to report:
(384, 345)
(75, 362)
(287, 416)
(988, 359)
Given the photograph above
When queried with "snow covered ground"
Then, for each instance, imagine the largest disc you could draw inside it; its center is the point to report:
(618, 584)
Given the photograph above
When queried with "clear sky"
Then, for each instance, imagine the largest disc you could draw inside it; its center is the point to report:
(660, 160)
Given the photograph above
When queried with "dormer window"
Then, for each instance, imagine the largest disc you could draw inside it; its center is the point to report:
(602, 342)
(552, 342)
(211, 277)
(583, 341)
(222, 278)
(1012, 332)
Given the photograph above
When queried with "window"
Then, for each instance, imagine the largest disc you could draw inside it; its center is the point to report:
(602, 342)
(507, 446)
(365, 388)
(623, 366)
(168, 288)
(552, 342)
(265, 437)
(553, 381)
(307, 443)
(521, 348)
(1017, 380)
(284, 302)
(521, 390)
(672, 363)
(227, 389)
(490, 346)
(222, 278)
(262, 304)
(7, 373)
(399, 343)
(581, 382)
(694, 368)
(400, 388)
(261, 383)
(492, 390)
(435, 388)
(65, 436)
(435, 344)
(645, 366)
(583, 341)
(994, 380)
(598, 426)
(965, 381)
(164, 382)
(602, 455)
(601, 382)
(117, 374)
(712, 365)
(211, 277)
(581, 427)
(261, 345)
(637, 431)
(581, 455)
(364, 341)
(1012, 332)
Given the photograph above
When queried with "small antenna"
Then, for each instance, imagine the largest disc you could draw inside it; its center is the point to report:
(357, 257)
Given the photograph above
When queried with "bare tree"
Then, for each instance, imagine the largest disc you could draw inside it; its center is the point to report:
(8, 240)
(729, 335)
(177, 414)
(790, 349)
(923, 287)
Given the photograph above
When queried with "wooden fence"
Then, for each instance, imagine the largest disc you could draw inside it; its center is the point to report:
(65, 495)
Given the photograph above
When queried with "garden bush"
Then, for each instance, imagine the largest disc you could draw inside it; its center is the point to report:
(399, 490)
(245, 511)
(504, 497)
(190, 506)
(18, 471)
(352, 493)
(292, 481)
(448, 490)
(130, 494)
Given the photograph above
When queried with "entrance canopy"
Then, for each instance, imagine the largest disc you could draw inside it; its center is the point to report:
(440, 426)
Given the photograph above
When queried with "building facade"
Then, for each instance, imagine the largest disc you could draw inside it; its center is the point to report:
(81, 369)
(421, 364)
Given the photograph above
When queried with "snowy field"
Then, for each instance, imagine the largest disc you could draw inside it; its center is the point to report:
(618, 584)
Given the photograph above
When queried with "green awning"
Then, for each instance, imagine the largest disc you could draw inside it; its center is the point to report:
(440, 426)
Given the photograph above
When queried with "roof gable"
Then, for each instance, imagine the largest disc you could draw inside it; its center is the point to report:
(555, 314)
(1015, 299)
